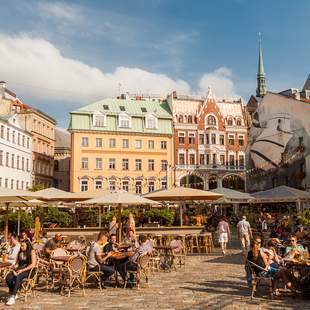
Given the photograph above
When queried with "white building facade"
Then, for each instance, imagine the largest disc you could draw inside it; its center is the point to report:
(15, 154)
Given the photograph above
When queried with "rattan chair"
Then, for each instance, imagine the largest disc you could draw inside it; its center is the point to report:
(258, 279)
(28, 285)
(142, 270)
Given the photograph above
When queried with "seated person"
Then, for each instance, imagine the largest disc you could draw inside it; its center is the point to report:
(293, 250)
(96, 259)
(52, 244)
(26, 260)
(257, 256)
(273, 258)
(13, 249)
(131, 263)
(25, 237)
(113, 243)
(177, 245)
(150, 242)
(42, 238)
(132, 239)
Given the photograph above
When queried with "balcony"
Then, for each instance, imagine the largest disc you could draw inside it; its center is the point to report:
(211, 167)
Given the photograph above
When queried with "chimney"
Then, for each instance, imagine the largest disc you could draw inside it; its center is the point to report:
(174, 94)
(2, 89)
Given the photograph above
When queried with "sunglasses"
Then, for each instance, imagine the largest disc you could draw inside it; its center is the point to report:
(292, 240)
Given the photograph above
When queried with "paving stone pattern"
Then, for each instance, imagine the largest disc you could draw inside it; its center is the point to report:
(207, 282)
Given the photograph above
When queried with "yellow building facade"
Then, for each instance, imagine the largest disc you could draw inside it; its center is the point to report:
(121, 144)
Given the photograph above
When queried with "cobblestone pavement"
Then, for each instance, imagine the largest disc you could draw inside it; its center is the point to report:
(207, 282)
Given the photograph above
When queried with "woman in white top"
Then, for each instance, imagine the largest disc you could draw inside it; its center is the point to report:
(223, 234)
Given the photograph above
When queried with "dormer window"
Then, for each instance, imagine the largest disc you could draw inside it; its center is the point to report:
(230, 122)
(211, 120)
(151, 122)
(124, 121)
(239, 123)
(99, 119)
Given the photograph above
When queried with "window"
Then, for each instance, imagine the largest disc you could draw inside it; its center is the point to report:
(231, 160)
(192, 159)
(151, 122)
(180, 119)
(23, 141)
(163, 145)
(28, 143)
(151, 164)
(98, 142)
(13, 136)
(231, 140)
(241, 161)
(214, 159)
(164, 165)
(213, 138)
(201, 139)
(230, 122)
(12, 160)
(17, 184)
(151, 186)
(124, 121)
(138, 187)
(208, 159)
(181, 137)
(151, 144)
(143, 109)
(112, 143)
(84, 163)
(201, 159)
(222, 160)
(98, 184)
(6, 183)
(105, 107)
(112, 163)
(12, 184)
(211, 120)
(138, 144)
(84, 141)
(190, 119)
(164, 184)
(239, 123)
(122, 108)
(240, 140)
(1, 158)
(112, 185)
(138, 164)
(18, 138)
(98, 163)
(7, 159)
(191, 138)
(99, 120)
(125, 143)
(181, 159)
(125, 164)
(222, 141)
(8, 134)
(125, 185)
(84, 185)
(207, 138)
(2, 132)
(17, 162)
(22, 187)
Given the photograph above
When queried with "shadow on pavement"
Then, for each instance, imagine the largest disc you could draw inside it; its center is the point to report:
(228, 259)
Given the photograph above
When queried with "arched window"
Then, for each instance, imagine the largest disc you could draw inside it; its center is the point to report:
(239, 123)
(211, 121)
(230, 122)
(180, 119)
(190, 119)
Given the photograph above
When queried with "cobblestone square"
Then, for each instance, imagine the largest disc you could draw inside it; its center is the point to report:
(207, 282)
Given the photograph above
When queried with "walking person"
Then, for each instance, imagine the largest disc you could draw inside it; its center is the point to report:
(244, 234)
(223, 233)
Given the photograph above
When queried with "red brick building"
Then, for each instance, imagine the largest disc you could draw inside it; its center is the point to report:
(210, 137)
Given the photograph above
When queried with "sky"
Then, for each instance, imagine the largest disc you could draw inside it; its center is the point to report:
(60, 55)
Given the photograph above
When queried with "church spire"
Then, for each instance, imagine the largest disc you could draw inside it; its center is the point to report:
(261, 82)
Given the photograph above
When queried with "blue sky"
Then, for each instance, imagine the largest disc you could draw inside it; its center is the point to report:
(58, 55)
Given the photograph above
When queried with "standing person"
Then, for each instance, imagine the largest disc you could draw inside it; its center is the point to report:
(244, 234)
(224, 234)
(131, 225)
(26, 260)
(113, 226)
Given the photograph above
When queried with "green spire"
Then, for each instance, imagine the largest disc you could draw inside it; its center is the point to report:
(261, 82)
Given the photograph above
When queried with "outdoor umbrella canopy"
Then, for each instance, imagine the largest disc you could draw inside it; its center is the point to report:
(55, 194)
(80, 196)
(231, 196)
(182, 194)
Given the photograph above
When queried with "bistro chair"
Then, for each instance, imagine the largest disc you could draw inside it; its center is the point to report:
(28, 285)
(142, 270)
(154, 261)
(259, 279)
(93, 274)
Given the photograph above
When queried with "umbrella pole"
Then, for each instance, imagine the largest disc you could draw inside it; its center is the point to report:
(181, 215)
(18, 222)
(99, 216)
(119, 223)
(6, 227)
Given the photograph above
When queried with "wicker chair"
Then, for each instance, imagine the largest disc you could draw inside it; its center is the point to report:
(76, 273)
(142, 270)
(28, 285)
(154, 262)
(258, 279)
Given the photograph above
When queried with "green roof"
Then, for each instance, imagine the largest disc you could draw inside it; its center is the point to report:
(81, 119)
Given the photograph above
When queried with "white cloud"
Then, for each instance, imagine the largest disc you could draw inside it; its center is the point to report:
(34, 68)
(59, 10)
(221, 82)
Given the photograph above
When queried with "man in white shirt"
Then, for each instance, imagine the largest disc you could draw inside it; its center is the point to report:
(13, 249)
(244, 234)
